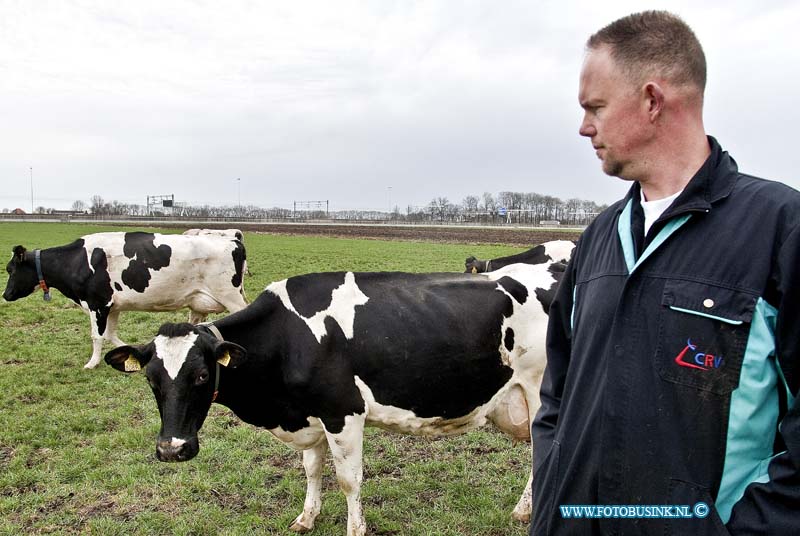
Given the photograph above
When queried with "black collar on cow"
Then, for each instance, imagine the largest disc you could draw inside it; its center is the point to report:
(37, 254)
(213, 329)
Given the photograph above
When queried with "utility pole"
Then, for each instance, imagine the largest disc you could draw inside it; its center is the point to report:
(239, 184)
(31, 189)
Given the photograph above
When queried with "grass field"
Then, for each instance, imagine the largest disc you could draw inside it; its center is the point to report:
(77, 446)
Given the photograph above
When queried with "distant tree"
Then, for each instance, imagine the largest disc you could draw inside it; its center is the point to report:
(137, 210)
(98, 205)
(441, 207)
(78, 206)
(117, 208)
(550, 207)
(489, 204)
(470, 203)
(574, 210)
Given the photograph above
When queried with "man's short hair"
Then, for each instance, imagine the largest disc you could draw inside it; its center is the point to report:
(654, 42)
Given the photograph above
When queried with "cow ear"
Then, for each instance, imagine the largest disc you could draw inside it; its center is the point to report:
(229, 354)
(469, 265)
(19, 253)
(129, 358)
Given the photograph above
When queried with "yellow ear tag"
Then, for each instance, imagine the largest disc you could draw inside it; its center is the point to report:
(225, 359)
(132, 364)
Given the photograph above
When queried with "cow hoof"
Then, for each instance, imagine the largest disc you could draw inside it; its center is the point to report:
(298, 526)
(522, 518)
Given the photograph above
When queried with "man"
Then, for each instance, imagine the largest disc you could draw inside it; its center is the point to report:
(674, 340)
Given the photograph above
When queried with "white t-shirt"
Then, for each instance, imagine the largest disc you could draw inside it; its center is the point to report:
(654, 209)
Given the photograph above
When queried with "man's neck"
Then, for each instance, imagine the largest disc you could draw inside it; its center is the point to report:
(672, 170)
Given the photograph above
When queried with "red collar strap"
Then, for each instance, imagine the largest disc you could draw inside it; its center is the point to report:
(216, 385)
(38, 260)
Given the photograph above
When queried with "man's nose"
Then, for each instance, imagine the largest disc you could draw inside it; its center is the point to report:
(587, 129)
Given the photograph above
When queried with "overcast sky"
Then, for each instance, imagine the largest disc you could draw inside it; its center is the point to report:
(360, 103)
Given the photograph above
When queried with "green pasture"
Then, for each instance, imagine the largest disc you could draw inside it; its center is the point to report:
(77, 446)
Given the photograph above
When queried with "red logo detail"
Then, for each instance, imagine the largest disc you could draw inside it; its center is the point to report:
(700, 360)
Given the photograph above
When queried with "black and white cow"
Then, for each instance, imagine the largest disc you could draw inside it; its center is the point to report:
(106, 273)
(553, 251)
(318, 357)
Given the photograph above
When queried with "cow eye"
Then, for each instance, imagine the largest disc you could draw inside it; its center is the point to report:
(201, 378)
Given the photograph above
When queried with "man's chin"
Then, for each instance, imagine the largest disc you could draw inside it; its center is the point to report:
(615, 169)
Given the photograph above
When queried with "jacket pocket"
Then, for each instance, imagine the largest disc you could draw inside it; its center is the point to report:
(703, 519)
(702, 337)
(545, 487)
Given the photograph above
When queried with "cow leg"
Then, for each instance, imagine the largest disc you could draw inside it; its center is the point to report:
(522, 511)
(313, 462)
(97, 339)
(346, 447)
(111, 328)
(513, 415)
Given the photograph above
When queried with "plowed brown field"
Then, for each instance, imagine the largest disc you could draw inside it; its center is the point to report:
(521, 237)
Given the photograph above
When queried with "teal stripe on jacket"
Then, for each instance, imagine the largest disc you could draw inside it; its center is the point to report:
(753, 413)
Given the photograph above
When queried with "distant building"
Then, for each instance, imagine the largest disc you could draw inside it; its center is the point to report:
(18, 212)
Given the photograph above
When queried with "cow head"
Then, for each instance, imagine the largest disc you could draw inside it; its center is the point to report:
(474, 266)
(181, 366)
(22, 279)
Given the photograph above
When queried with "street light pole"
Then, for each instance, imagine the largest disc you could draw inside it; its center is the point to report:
(31, 189)
(239, 185)
(390, 202)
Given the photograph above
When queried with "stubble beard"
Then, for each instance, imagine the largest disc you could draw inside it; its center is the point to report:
(613, 168)
(617, 168)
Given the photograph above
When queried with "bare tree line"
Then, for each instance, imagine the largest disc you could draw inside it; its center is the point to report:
(504, 207)
(511, 207)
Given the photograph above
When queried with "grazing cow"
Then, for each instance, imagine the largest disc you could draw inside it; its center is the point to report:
(106, 273)
(233, 234)
(554, 251)
(318, 357)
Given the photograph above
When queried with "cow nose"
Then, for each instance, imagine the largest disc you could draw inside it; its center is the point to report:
(172, 450)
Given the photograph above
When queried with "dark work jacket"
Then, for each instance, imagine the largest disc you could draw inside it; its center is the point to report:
(673, 365)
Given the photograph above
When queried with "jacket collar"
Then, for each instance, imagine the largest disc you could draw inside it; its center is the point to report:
(713, 182)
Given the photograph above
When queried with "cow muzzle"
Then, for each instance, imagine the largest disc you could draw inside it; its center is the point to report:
(176, 450)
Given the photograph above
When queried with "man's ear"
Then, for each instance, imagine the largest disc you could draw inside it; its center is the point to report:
(655, 99)
(19, 253)
(229, 354)
(129, 358)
